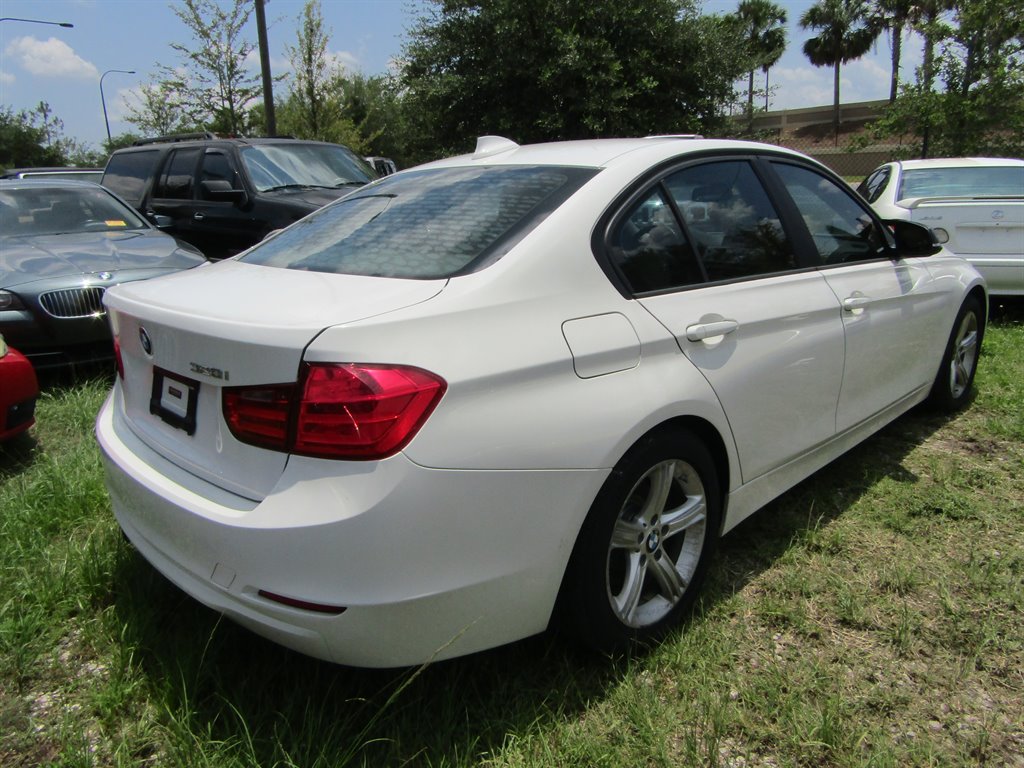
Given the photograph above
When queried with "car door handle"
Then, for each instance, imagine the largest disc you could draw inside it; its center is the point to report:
(853, 303)
(702, 331)
(197, 217)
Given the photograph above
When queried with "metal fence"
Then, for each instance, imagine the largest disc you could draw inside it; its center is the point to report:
(809, 130)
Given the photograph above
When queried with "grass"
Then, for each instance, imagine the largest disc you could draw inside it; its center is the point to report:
(872, 616)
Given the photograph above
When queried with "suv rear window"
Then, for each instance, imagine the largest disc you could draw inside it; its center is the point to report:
(126, 173)
(426, 224)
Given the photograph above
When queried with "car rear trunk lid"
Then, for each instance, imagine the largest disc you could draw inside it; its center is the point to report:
(184, 338)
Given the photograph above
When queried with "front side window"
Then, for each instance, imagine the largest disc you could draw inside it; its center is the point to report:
(217, 167)
(177, 178)
(842, 229)
(424, 225)
(734, 227)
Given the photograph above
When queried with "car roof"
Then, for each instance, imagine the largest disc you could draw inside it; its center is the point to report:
(15, 172)
(191, 140)
(599, 153)
(959, 162)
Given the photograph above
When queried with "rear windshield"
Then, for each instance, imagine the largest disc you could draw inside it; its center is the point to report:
(424, 224)
(962, 182)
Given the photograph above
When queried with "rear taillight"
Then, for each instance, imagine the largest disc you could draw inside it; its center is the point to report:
(339, 411)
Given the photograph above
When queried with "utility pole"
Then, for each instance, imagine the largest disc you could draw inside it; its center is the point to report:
(268, 82)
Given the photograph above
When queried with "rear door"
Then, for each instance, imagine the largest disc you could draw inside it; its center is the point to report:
(765, 332)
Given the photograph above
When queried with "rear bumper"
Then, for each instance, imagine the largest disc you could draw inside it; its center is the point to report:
(427, 564)
(1004, 275)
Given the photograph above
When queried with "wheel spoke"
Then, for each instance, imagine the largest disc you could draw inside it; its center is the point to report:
(628, 599)
(668, 578)
(627, 534)
(661, 478)
(692, 512)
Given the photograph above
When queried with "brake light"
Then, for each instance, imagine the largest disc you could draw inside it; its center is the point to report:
(340, 411)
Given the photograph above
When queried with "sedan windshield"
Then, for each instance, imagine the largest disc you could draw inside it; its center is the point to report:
(288, 166)
(53, 210)
(962, 182)
(424, 224)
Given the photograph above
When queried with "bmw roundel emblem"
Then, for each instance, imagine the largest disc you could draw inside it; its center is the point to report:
(105, 275)
(147, 343)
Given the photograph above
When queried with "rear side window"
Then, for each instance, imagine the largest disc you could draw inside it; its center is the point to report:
(424, 225)
(734, 227)
(649, 248)
(127, 173)
(871, 188)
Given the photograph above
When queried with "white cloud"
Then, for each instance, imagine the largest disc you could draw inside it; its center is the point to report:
(50, 58)
(7, 78)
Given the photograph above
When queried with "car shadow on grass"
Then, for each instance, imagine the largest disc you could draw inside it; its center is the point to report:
(245, 693)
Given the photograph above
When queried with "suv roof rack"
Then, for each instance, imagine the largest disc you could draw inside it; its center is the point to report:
(173, 137)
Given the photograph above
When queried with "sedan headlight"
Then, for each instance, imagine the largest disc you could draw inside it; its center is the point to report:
(10, 300)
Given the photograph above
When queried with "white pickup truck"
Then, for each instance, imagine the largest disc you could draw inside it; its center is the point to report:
(974, 205)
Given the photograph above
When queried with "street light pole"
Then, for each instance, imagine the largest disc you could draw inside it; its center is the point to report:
(103, 101)
(67, 24)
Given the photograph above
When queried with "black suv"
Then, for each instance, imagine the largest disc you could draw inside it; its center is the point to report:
(224, 195)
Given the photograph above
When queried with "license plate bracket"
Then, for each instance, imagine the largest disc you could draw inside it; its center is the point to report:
(174, 400)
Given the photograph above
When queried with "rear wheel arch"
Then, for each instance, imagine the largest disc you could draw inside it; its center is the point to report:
(693, 452)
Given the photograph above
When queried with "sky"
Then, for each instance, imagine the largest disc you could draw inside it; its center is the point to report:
(63, 67)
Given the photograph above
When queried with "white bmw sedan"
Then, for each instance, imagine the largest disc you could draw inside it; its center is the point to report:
(529, 384)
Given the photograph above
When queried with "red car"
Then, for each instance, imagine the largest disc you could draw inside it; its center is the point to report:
(18, 392)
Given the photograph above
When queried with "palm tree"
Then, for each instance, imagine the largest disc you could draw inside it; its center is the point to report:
(845, 34)
(762, 24)
(894, 16)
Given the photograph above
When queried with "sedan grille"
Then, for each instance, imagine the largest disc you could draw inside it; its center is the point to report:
(74, 302)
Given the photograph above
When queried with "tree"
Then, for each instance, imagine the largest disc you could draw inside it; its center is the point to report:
(158, 108)
(216, 89)
(24, 143)
(312, 107)
(763, 26)
(979, 110)
(845, 34)
(560, 69)
(893, 16)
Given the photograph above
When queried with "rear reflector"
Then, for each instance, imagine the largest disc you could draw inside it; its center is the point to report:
(303, 604)
(339, 411)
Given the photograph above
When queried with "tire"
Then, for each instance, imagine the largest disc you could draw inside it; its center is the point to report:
(644, 548)
(953, 383)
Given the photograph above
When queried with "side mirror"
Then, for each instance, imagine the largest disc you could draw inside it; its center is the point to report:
(913, 239)
(222, 191)
(160, 221)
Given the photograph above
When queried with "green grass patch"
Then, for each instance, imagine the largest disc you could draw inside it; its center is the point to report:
(872, 616)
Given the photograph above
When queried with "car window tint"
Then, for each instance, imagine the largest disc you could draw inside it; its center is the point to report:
(176, 180)
(217, 166)
(650, 250)
(127, 173)
(841, 227)
(734, 226)
(871, 188)
(967, 182)
(425, 224)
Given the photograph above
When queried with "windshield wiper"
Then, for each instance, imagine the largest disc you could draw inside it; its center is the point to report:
(289, 186)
